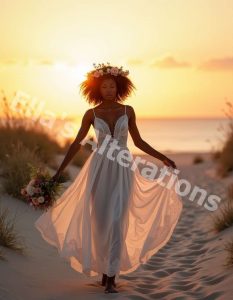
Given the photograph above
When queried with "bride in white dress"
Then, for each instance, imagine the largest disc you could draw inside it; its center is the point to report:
(111, 218)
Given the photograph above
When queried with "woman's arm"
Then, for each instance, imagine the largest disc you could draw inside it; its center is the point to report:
(75, 146)
(142, 145)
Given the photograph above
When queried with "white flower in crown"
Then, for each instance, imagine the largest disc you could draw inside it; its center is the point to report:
(101, 72)
(114, 71)
(41, 199)
(102, 69)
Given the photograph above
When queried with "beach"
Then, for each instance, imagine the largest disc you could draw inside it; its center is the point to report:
(189, 266)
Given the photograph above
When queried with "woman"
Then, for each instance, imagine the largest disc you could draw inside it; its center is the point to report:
(111, 218)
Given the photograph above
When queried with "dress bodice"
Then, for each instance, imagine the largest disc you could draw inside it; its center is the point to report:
(120, 132)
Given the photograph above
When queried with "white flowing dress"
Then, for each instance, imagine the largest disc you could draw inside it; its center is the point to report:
(111, 218)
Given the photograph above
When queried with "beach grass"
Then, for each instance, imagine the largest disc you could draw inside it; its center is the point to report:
(17, 126)
(224, 217)
(8, 235)
(2, 257)
(16, 168)
(229, 249)
(198, 159)
(225, 156)
(230, 192)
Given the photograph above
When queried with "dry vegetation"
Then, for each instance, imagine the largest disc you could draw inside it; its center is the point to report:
(16, 126)
(224, 157)
(8, 235)
(229, 249)
(22, 142)
(25, 140)
(224, 217)
(198, 159)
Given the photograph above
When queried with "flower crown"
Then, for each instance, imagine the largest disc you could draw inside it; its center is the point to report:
(102, 69)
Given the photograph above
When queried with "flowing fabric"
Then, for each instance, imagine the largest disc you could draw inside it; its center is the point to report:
(111, 218)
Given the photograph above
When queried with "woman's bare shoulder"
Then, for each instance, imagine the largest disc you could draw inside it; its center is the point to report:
(130, 110)
(88, 116)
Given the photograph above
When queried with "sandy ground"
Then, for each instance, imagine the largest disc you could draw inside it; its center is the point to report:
(189, 266)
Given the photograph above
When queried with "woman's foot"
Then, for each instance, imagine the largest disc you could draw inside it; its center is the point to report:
(109, 285)
(104, 280)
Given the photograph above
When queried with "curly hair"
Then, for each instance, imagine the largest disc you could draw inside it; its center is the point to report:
(90, 88)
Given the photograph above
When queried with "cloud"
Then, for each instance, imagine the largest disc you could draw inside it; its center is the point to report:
(135, 62)
(217, 64)
(48, 62)
(169, 62)
(9, 62)
(32, 62)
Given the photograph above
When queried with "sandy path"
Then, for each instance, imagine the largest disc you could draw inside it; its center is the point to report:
(189, 266)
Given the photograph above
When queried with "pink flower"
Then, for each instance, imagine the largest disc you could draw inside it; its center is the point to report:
(114, 71)
(35, 201)
(23, 192)
(96, 74)
(38, 190)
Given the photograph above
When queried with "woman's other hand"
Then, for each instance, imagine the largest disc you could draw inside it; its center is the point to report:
(170, 163)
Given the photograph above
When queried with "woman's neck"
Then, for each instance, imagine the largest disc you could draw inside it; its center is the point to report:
(112, 105)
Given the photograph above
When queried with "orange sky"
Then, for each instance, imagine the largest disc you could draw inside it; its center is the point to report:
(179, 53)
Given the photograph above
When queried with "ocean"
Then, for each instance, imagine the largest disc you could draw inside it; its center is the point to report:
(181, 135)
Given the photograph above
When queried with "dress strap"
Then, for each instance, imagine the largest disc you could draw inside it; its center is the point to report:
(93, 111)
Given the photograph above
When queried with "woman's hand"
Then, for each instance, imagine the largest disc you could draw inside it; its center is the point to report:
(170, 163)
(56, 177)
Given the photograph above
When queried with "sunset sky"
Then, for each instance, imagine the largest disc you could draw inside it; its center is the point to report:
(179, 53)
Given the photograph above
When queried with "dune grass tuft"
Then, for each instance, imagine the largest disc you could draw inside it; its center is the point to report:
(2, 256)
(230, 192)
(225, 156)
(16, 169)
(198, 159)
(229, 249)
(32, 139)
(8, 235)
(224, 217)
(16, 125)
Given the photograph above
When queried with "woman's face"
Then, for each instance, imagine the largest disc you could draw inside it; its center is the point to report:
(108, 89)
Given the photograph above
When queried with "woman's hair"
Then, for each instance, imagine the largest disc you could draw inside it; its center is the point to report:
(90, 88)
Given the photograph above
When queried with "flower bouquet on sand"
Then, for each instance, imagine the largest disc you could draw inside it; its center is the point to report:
(42, 190)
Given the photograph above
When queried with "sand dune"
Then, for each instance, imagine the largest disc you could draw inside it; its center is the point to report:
(189, 266)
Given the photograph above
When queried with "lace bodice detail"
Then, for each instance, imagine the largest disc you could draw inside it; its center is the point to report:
(103, 132)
